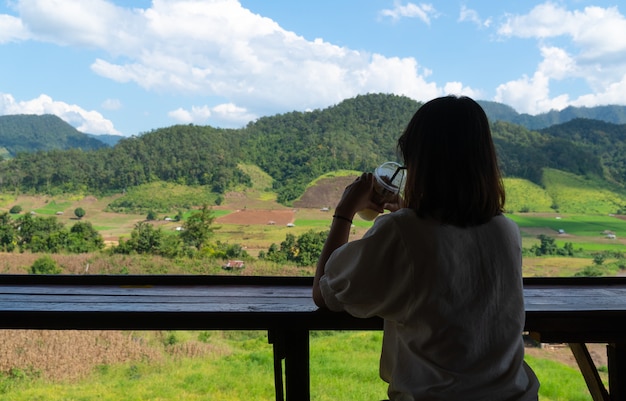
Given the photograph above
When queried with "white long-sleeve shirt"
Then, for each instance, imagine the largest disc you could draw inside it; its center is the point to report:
(452, 302)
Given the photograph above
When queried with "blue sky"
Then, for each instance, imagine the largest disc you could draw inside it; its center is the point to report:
(108, 67)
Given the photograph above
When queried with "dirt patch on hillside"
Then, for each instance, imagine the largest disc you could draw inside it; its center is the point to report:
(325, 193)
(246, 216)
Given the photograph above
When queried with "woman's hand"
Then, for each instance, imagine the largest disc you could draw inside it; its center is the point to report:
(394, 205)
(358, 196)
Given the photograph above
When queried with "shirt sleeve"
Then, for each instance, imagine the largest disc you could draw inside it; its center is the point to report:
(370, 276)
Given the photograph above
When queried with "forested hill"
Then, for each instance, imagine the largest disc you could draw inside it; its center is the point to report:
(501, 112)
(30, 133)
(295, 148)
(357, 134)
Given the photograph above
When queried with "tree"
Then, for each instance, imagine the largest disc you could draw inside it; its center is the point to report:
(310, 246)
(547, 246)
(151, 216)
(8, 233)
(79, 212)
(84, 238)
(16, 209)
(143, 239)
(197, 230)
(303, 250)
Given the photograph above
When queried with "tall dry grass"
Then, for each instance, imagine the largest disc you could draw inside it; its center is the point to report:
(69, 354)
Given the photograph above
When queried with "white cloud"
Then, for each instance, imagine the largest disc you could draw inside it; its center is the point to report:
(217, 48)
(226, 115)
(557, 64)
(232, 115)
(591, 47)
(458, 89)
(470, 15)
(530, 95)
(12, 29)
(111, 104)
(422, 11)
(613, 94)
(83, 120)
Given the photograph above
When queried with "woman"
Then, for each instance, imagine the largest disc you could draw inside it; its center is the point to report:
(444, 269)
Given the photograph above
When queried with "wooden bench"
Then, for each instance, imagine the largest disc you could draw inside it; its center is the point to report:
(574, 311)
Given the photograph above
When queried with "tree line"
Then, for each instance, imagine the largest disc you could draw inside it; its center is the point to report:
(295, 148)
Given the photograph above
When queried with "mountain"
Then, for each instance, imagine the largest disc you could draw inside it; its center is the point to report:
(107, 139)
(501, 112)
(31, 133)
(297, 147)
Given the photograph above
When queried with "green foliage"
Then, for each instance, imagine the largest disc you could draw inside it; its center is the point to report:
(195, 236)
(356, 134)
(45, 265)
(162, 197)
(79, 212)
(548, 247)
(598, 259)
(180, 154)
(584, 195)
(197, 229)
(524, 196)
(144, 239)
(221, 250)
(303, 250)
(46, 234)
(8, 233)
(84, 238)
(16, 209)
(151, 216)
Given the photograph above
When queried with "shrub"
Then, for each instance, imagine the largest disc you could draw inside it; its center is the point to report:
(151, 216)
(79, 212)
(45, 265)
(17, 209)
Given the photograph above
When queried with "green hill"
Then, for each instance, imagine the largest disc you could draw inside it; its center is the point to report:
(292, 150)
(30, 133)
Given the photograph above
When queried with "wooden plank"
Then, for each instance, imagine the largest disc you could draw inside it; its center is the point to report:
(158, 279)
(617, 370)
(589, 372)
(216, 290)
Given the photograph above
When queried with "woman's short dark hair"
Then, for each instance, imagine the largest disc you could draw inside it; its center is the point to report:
(452, 166)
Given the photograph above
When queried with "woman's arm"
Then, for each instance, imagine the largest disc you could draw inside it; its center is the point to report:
(355, 197)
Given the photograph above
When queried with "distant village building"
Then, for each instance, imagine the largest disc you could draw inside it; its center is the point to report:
(609, 234)
(233, 264)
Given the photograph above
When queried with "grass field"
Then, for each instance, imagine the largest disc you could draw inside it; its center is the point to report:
(237, 366)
